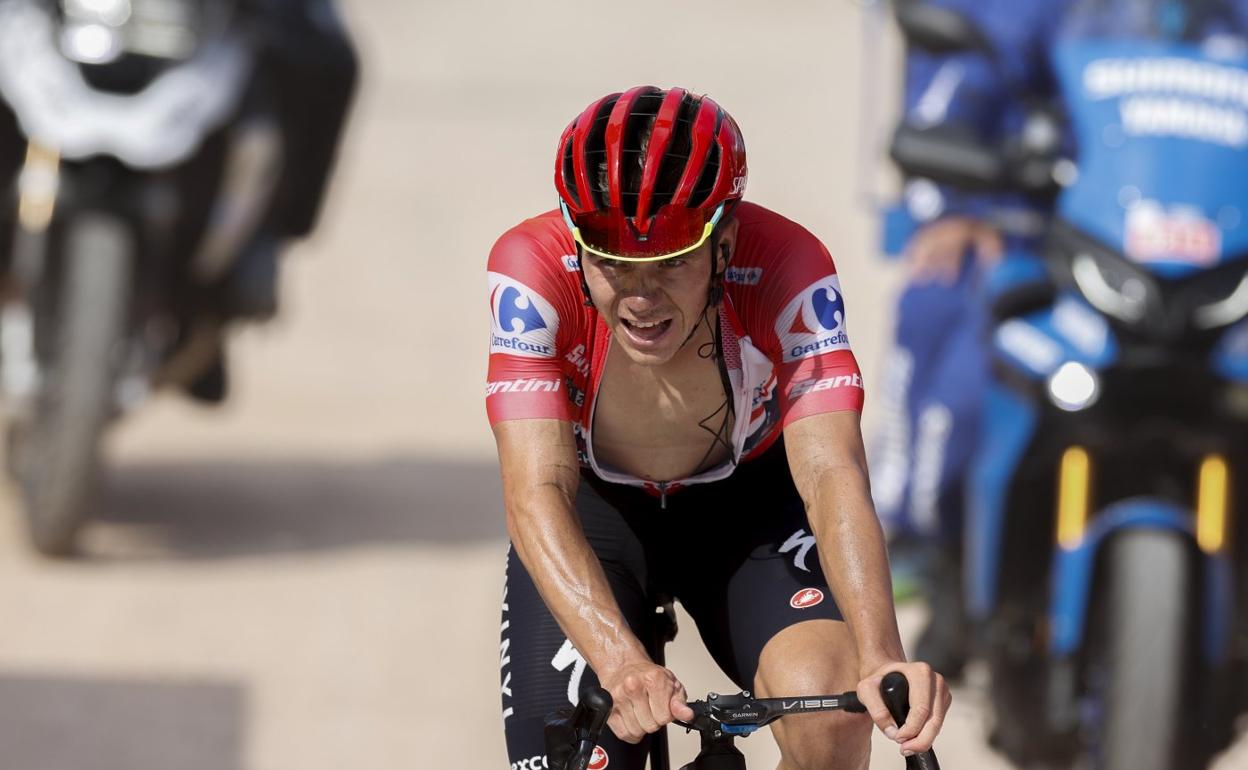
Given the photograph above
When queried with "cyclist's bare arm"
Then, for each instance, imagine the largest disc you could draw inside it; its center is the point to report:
(828, 463)
(540, 477)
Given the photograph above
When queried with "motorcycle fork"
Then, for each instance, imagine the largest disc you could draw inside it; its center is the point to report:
(1212, 529)
(38, 187)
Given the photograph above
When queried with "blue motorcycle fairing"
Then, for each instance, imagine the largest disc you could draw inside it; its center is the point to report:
(1072, 575)
(1161, 130)
(1230, 355)
(1219, 608)
(1069, 330)
(897, 226)
(1009, 425)
(1018, 268)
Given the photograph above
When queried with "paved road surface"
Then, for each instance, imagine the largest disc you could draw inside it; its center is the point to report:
(310, 578)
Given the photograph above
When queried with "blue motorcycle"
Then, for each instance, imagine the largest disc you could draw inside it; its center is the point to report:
(1103, 565)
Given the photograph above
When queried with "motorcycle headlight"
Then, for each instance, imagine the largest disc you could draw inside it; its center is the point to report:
(91, 43)
(1074, 387)
(1114, 288)
(1221, 302)
(1211, 298)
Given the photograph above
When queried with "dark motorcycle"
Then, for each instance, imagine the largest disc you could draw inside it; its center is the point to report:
(144, 156)
(1104, 564)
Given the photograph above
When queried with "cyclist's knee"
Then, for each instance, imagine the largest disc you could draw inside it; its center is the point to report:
(832, 741)
(815, 658)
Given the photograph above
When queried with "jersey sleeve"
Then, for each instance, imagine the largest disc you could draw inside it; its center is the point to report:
(530, 316)
(807, 338)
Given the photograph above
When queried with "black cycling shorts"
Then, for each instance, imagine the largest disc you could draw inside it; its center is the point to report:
(738, 554)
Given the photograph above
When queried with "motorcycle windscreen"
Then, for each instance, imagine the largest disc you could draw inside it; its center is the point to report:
(1157, 100)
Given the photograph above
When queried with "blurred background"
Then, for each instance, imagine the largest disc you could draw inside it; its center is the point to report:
(310, 576)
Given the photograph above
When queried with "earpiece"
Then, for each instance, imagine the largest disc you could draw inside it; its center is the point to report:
(717, 276)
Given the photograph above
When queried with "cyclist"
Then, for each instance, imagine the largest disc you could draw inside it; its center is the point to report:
(676, 408)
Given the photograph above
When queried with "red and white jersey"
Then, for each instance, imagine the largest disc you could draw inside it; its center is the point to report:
(783, 324)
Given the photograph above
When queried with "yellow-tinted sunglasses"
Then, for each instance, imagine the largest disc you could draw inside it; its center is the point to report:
(580, 240)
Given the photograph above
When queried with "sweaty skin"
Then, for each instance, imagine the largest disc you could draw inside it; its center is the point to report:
(540, 471)
(664, 388)
(656, 386)
(540, 476)
(828, 463)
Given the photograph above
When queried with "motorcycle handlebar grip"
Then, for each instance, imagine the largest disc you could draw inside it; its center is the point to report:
(896, 693)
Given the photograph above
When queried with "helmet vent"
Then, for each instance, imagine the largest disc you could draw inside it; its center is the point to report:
(569, 172)
(596, 155)
(706, 182)
(633, 156)
(677, 156)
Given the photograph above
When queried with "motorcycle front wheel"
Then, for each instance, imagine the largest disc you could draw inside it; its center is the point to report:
(1147, 640)
(79, 309)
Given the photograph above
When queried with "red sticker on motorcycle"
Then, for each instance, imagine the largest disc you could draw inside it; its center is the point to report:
(598, 760)
(807, 597)
(1157, 234)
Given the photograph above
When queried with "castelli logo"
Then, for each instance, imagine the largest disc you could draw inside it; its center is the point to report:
(598, 760)
(807, 597)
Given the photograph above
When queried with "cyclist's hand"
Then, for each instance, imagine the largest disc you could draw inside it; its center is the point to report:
(936, 251)
(647, 697)
(929, 702)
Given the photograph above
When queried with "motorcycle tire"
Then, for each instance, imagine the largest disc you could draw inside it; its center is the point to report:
(57, 448)
(1148, 619)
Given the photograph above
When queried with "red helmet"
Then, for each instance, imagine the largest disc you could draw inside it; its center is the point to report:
(646, 174)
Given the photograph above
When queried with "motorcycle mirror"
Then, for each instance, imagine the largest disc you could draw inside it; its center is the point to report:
(948, 155)
(938, 30)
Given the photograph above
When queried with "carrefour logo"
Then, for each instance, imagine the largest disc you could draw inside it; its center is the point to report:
(524, 323)
(814, 321)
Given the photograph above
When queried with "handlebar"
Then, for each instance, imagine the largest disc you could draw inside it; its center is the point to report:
(723, 716)
(896, 692)
(742, 714)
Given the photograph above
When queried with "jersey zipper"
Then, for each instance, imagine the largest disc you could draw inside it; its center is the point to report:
(662, 495)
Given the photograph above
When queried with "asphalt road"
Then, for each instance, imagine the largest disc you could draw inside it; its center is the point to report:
(310, 577)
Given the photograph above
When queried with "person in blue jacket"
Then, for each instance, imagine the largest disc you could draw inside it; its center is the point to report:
(936, 372)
